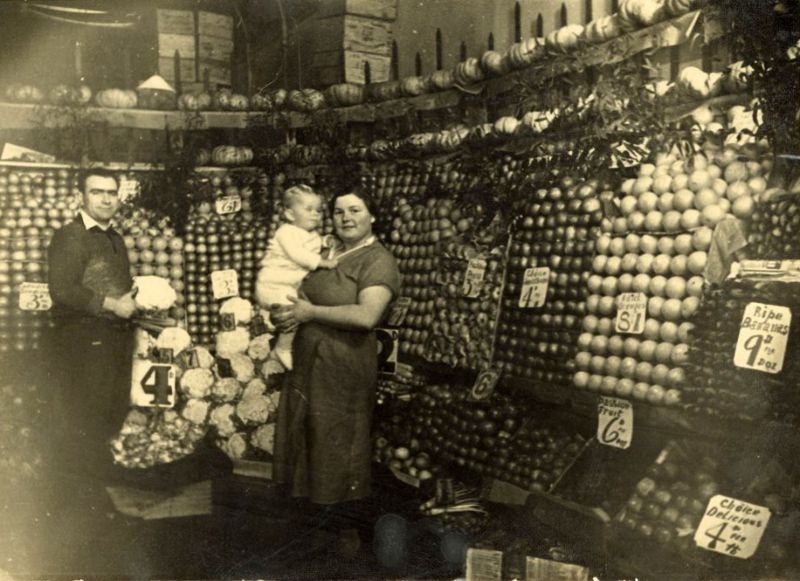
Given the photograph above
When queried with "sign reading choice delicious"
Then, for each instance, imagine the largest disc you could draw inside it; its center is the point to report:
(763, 335)
(731, 527)
(473, 278)
(631, 313)
(224, 284)
(615, 422)
(534, 287)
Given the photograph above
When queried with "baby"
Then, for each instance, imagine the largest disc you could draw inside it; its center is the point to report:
(292, 253)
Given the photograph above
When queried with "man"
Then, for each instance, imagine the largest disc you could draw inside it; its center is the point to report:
(92, 340)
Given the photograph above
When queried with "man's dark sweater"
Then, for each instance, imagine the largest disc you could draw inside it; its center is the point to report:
(85, 266)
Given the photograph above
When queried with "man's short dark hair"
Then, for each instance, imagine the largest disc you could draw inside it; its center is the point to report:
(102, 172)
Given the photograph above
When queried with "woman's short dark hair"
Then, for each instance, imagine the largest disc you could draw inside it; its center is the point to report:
(102, 172)
(359, 191)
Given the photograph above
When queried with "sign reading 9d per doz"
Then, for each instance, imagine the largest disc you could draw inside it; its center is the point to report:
(731, 527)
(763, 335)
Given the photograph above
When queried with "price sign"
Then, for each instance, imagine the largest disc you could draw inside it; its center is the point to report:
(163, 355)
(534, 287)
(615, 422)
(34, 296)
(484, 385)
(473, 279)
(484, 565)
(388, 340)
(191, 359)
(227, 322)
(224, 284)
(398, 312)
(545, 570)
(731, 527)
(228, 204)
(128, 188)
(763, 335)
(631, 313)
(153, 384)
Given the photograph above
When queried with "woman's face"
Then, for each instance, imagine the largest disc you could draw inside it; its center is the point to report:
(352, 219)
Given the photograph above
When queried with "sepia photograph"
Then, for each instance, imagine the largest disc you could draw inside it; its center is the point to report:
(376, 290)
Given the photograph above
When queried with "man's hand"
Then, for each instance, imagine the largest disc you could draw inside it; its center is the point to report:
(123, 307)
(328, 263)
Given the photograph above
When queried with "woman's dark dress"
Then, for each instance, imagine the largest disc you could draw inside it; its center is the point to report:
(323, 447)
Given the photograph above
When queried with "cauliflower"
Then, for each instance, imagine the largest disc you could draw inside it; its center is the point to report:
(257, 386)
(272, 367)
(143, 343)
(259, 347)
(232, 342)
(243, 368)
(242, 309)
(153, 293)
(235, 446)
(274, 402)
(174, 338)
(197, 382)
(226, 389)
(199, 357)
(196, 411)
(254, 409)
(222, 420)
(135, 422)
(263, 437)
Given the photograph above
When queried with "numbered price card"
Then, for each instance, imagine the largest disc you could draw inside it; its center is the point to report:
(534, 287)
(631, 313)
(228, 204)
(763, 335)
(473, 279)
(153, 384)
(224, 284)
(398, 312)
(34, 296)
(615, 422)
(545, 570)
(484, 385)
(731, 527)
(484, 565)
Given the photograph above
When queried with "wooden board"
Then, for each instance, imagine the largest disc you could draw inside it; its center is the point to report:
(175, 21)
(382, 9)
(213, 48)
(353, 33)
(212, 24)
(166, 68)
(183, 43)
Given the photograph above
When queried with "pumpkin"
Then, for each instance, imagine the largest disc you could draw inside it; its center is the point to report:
(385, 91)
(441, 80)
(239, 102)
(468, 72)
(535, 121)
(695, 82)
(202, 157)
(231, 155)
(522, 54)
(221, 99)
(24, 93)
(494, 63)
(344, 94)
(64, 95)
(565, 38)
(602, 29)
(649, 12)
(627, 18)
(279, 98)
(677, 7)
(295, 100)
(506, 125)
(158, 99)
(412, 86)
(314, 99)
(117, 98)
(194, 101)
(261, 102)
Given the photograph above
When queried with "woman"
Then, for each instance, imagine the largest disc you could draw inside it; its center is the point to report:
(323, 447)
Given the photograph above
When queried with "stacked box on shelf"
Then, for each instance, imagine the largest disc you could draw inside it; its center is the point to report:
(557, 231)
(34, 203)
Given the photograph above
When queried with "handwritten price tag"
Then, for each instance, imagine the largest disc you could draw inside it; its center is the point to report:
(615, 422)
(153, 385)
(534, 287)
(128, 189)
(398, 312)
(34, 296)
(484, 385)
(224, 284)
(731, 527)
(763, 335)
(473, 279)
(631, 313)
(484, 565)
(228, 204)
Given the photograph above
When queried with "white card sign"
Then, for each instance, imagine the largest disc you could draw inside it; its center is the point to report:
(545, 570)
(153, 384)
(484, 385)
(763, 335)
(615, 422)
(34, 296)
(224, 284)
(484, 565)
(228, 204)
(731, 527)
(631, 313)
(534, 287)
(473, 279)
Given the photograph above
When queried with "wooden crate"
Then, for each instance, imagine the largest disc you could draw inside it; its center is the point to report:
(327, 68)
(383, 9)
(348, 33)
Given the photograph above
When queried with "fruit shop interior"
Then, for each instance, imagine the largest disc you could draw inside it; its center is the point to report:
(590, 370)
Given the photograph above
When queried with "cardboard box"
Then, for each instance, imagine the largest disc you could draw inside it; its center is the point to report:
(383, 9)
(349, 33)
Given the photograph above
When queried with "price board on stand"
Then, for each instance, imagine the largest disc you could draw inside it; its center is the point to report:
(473, 278)
(484, 565)
(534, 287)
(631, 313)
(34, 296)
(228, 204)
(224, 284)
(484, 385)
(153, 384)
(763, 335)
(731, 527)
(615, 422)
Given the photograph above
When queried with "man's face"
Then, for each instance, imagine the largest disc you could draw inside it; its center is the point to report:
(100, 199)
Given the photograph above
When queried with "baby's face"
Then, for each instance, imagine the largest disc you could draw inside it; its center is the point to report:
(306, 211)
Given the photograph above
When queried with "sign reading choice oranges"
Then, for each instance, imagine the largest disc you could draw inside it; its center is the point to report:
(763, 335)
(534, 287)
(631, 313)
